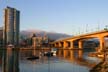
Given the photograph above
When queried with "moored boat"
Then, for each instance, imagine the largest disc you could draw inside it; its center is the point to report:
(33, 58)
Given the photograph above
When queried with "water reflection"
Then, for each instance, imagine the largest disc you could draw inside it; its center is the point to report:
(70, 54)
(75, 56)
(10, 60)
(80, 54)
(64, 61)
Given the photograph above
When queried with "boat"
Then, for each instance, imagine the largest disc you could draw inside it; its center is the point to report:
(48, 54)
(51, 53)
(10, 46)
(54, 51)
(33, 58)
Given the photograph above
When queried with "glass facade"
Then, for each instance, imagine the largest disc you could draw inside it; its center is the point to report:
(11, 26)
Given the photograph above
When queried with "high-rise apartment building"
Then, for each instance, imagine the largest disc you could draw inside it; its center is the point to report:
(11, 26)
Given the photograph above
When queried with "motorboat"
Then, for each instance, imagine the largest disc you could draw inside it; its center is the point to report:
(54, 51)
(10, 46)
(48, 54)
(51, 53)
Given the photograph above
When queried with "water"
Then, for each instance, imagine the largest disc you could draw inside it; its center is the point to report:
(64, 61)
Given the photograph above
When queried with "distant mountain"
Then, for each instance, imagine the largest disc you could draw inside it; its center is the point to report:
(51, 35)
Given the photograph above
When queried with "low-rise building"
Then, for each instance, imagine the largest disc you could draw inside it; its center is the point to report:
(38, 41)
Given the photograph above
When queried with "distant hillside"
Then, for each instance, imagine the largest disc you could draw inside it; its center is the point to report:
(51, 35)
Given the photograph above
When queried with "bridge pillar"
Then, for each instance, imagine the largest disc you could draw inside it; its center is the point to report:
(101, 45)
(72, 45)
(65, 44)
(80, 45)
(55, 45)
(60, 44)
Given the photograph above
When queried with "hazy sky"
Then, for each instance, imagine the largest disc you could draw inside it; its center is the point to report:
(62, 16)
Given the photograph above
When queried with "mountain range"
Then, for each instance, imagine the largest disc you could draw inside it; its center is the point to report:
(51, 35)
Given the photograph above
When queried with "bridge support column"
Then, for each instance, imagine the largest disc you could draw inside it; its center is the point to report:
(55, 45)
(59, 44)
(80, 45)
(101, 45)
(65, 44)
(72, 45)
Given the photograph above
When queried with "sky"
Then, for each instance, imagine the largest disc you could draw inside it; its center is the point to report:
(62, 16)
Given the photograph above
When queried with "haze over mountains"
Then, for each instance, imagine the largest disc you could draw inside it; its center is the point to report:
(51, 35)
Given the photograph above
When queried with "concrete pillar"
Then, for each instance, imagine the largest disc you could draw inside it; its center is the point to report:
(56, 45)
(60, 44)
(80, 45)
(65, 44)
(101, 44)
(72, 45)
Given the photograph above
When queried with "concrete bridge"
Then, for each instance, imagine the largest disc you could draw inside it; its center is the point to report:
(69, 42)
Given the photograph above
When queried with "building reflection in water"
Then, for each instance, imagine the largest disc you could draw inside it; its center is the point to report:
(10, 60)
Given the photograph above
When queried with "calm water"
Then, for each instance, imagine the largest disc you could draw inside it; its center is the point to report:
(64, 61)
